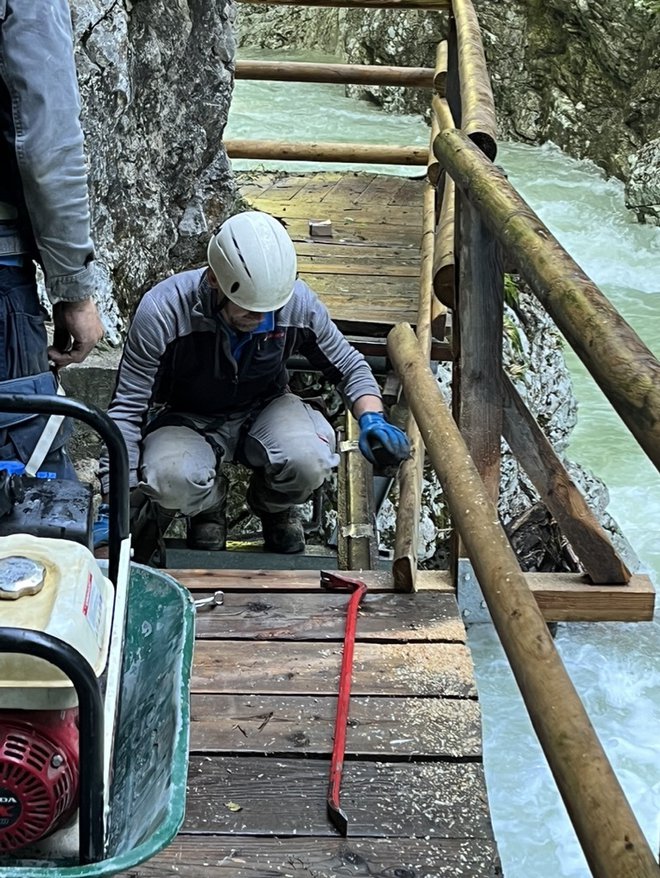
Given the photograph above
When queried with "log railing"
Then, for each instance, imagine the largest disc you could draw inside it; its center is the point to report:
(342, 74)
(351, 153)
(469, 201)
(611, 838)
(471, 287)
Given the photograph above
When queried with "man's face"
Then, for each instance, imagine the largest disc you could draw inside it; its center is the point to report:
(240, 319)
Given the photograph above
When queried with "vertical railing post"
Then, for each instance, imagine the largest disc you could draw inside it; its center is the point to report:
(479, 307)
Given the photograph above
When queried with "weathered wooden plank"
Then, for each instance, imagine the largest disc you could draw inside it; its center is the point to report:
(307, 207)
(288, 797)
(567, 597)
(361, 317)
(403, 727)
(311, 265)
(564, 597)
(430, 616)
(349, 186)
(369, 291)
(356, 254)
(382, 189)
(358, 317)
(315, 189)
(283, 187)
(241, 857)
(344, 229)
(297, 580)
(407, 252)
(411, 192)
(419, 669)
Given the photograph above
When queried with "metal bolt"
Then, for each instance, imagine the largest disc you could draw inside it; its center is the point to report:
(216, 600)
(56, 761)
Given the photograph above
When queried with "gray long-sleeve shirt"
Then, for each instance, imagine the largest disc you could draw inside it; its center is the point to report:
(178, 355)
(43, 173)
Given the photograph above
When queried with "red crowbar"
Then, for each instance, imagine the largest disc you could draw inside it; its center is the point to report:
(333, 580)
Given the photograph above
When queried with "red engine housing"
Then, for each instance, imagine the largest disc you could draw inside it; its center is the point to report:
(38, 774)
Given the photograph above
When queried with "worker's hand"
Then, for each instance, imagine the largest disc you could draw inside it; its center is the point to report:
(381, 443)
(77, 329)
(101, 526)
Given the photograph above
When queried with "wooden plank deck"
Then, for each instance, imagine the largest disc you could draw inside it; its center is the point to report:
(367, 272)
(264, 686)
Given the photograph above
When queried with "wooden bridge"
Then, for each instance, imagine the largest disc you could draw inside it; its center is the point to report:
(412, 270)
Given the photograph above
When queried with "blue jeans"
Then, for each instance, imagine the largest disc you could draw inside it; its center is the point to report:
(23, 341)
(24, 354)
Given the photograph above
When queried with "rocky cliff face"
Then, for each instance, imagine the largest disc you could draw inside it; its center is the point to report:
(585, 74)
(155, 80)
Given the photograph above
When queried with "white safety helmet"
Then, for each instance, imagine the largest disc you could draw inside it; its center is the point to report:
(254, 261)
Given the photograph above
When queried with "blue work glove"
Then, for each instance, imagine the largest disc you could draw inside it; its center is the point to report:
(381, 443)
(101, 526)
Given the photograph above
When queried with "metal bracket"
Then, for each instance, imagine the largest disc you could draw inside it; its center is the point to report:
(471, 601)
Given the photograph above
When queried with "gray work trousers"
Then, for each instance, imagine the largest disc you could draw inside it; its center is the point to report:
(291, 443)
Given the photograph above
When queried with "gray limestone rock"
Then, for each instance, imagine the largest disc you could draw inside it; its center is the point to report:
(155, 81)
(643, 187)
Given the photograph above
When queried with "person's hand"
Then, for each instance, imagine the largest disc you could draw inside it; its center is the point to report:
(78, 329)
(381, 443)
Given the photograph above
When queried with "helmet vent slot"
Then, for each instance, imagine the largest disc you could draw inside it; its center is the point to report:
(240, 256)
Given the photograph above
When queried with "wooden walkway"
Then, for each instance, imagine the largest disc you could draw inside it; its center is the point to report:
(263, 705)
(267, 661)
(367, 271)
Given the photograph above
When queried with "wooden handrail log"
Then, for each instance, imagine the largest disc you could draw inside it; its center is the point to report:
(442, 113)
(444, 261)
(327, 152)
(440, 73)
(611, 838)
(478, 118)
(411, 472)
(433, 168)
(343, 74)
(358, 4)
(623, 367)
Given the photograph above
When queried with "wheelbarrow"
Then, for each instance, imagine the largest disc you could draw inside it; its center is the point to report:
(95, 663)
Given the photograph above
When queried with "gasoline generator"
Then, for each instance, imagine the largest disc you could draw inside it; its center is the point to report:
(61, 636)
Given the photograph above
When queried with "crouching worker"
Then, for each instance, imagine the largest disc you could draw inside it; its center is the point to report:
(203, 381)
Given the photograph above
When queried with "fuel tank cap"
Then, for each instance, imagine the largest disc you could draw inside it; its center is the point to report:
(20, 576)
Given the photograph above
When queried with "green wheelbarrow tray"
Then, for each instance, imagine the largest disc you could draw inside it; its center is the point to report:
(150, 760)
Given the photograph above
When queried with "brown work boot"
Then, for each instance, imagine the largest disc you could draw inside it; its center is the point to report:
(208, 530)
(283, 531)
(148, 523)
